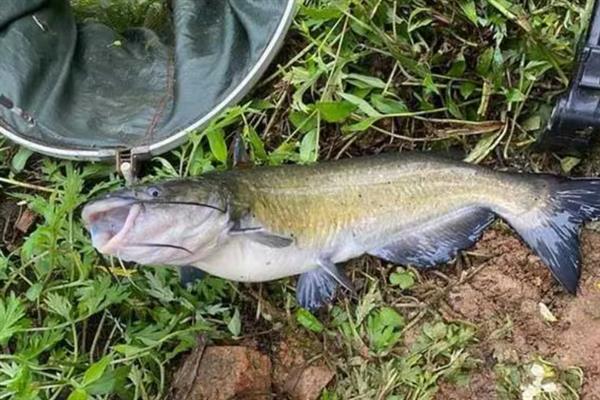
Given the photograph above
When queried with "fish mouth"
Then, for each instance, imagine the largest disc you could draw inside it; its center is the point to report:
(109, 221)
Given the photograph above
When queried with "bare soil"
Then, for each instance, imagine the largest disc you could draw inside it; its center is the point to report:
(10, 213)
(502, 300)
(510, 287)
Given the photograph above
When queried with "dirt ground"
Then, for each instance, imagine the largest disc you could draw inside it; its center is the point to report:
(10, 216)
(510, 286)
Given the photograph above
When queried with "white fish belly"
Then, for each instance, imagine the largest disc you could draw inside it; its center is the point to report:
(244, 260)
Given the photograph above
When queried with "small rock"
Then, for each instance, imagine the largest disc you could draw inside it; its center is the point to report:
(287, 356)
(307, 383)
(293, 376)
(223, 373)
(26, 219)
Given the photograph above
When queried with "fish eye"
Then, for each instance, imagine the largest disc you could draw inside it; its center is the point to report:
(153, 191)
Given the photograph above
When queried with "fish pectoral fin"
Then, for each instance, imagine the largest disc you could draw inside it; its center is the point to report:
(188, 275)
(438, 241)
(261, 235)
(250, 227)
(270, 239)
(317, 287)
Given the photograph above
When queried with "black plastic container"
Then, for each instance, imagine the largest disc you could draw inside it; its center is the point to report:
(575, 119)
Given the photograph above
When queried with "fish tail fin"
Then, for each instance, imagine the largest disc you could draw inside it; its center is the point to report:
(552, 231)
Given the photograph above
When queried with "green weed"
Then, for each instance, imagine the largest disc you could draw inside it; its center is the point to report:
(538, 380)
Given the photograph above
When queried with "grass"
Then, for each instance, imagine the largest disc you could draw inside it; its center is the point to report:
(355, 77)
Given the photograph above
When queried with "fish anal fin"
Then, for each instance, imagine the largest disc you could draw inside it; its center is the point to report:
(439, 240)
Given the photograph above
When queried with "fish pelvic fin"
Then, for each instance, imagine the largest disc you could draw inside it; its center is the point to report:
(438, 241)
(552, 231)
(337, 273)
(317, 287)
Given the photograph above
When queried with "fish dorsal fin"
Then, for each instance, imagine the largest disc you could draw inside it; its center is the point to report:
(239, 152)
(247, 226)
(439, 240)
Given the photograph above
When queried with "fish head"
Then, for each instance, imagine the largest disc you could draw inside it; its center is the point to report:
(172, 223)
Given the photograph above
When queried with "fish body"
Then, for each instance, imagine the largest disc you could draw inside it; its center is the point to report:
(266, 223)
(341, 210)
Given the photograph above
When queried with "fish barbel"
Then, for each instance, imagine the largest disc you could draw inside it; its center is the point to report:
(266, 223)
